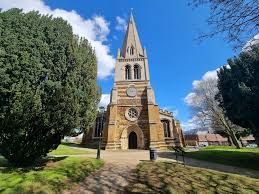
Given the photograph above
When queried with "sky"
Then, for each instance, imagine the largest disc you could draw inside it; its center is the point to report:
(167, 28)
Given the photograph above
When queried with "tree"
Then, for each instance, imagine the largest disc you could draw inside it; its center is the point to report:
(237, 20)
(239, 87)
(207, 110)
(47, 84)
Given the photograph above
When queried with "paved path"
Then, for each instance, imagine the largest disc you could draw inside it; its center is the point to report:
(112, 178)
(115, 175)
(118, 170)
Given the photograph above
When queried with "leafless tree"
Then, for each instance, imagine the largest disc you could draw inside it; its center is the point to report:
(237, 20)
(206, 108)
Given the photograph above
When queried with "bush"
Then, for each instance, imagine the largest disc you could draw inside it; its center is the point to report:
(47, 84)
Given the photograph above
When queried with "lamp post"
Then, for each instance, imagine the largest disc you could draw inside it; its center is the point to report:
(101, 110)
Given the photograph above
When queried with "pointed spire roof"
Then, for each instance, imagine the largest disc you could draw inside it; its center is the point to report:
(131, 40)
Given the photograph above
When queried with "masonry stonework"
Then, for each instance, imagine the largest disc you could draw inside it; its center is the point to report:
(133, 119)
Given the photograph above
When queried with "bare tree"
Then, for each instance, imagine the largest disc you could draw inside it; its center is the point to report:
(237, 20)
(207, 110)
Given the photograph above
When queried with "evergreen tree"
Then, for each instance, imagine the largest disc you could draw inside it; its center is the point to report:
(239, 87)
(47, 84)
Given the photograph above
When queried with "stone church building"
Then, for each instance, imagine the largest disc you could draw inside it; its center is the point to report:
(133, 120)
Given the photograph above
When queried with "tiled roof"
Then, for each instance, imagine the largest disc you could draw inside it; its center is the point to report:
(207, 138)
(202, 137)
(215, 137)
(248, 138)
(190, 137)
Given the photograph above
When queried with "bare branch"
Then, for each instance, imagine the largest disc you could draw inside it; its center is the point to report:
(236, 20)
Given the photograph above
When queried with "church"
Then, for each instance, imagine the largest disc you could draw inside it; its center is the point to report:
(133, 120)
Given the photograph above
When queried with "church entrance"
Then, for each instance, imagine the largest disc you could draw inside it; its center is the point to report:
(133, 140)
(132, 137)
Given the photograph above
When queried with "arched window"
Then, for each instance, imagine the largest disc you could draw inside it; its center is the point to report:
(127, 72)
(137, 72)
(131, 50)
(166, 126)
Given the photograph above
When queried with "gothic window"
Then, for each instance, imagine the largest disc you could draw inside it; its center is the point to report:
(131, 50)
(166, 126)
(133, 113)
(99, 124)
(127, 72)
(137, 72)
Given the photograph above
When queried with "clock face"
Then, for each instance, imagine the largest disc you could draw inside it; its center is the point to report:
(131, 91)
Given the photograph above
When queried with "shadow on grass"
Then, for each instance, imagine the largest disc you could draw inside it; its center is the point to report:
(73, 144)
(50, 176)
(247, 159)
(110, 179)
(78, 145)
(167, 177)
(243, 163)
(6, 167)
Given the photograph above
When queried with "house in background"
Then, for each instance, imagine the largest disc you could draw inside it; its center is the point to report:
(205, 139)
(247, 140)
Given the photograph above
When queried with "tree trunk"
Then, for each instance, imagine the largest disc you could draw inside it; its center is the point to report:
(234, 139)
(230, 141)
(231, 133)
(84, 138)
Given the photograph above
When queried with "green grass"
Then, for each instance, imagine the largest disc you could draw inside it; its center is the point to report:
(244, 158)
(66, 149)
(166, 177)
(51, 178)
(231, 148)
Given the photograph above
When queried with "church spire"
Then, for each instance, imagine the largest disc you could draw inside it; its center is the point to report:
(131, 45)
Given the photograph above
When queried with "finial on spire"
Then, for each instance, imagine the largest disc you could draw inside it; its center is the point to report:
(131, 40)
(131, 11)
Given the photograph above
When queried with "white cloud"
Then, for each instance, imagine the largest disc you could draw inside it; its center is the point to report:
(175, 112)
(95, 29)
(208, 75)
(105, 100)
(202, 89)
(192, 99)
(253, 41)
(189, 99)
(121, 24)
(191, 124)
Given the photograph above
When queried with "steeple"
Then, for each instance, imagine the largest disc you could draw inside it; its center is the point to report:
(131, 47)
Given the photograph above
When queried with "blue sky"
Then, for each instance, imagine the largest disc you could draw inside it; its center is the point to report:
(166, 28)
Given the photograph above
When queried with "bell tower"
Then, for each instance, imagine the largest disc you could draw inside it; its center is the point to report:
(131, 53)
(132, 116)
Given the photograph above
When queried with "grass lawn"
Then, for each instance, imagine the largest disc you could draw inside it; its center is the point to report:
(166, 177)
(66, 149)
(244, 157)
(52, 177)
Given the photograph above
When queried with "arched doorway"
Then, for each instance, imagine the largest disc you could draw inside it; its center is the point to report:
(125, 137)
(133, 140)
